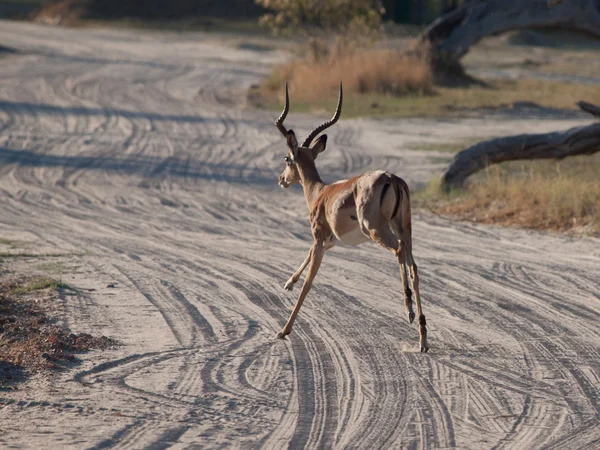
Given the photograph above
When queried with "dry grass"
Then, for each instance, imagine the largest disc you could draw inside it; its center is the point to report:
(365, 71)
(444, 102)
(31, 341)
(538, 194)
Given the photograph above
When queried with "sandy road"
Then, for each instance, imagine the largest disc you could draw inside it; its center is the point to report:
(134, 153)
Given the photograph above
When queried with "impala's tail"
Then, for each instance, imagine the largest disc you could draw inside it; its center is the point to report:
(390, 199)
(394, 198)
(399, 218)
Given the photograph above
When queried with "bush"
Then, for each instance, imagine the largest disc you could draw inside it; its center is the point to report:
(362, 71)
(342, 17)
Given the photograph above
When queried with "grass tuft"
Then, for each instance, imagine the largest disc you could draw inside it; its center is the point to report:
(39, 284)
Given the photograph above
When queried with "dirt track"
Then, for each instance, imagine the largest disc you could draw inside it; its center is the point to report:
(134, 152)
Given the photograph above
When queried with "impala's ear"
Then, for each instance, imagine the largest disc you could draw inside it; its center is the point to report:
(319, 146)
(292, 142)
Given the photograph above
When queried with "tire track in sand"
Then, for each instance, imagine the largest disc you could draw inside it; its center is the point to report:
(133, 149)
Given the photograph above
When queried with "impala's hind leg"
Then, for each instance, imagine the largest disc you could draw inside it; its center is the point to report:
(414, 275)
(382, 234)
(407, 262)
(408, 303)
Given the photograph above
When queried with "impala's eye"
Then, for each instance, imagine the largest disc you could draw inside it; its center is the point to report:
(287, 160)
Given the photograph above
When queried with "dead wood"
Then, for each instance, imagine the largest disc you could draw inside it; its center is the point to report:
(584, 140)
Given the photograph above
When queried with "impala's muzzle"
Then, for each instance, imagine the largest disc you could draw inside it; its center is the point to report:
(283, 182)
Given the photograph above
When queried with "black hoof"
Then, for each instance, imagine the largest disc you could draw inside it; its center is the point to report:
(411, 317)
(424, 349)
(282, 335)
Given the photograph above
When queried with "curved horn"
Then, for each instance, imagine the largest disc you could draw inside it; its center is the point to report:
(286, 108)
(327, 124)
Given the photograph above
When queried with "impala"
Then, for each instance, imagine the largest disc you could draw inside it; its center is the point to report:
(373, 206)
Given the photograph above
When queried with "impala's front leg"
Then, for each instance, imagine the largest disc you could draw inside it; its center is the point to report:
(296, 276)
(315, 256)
(289, 285)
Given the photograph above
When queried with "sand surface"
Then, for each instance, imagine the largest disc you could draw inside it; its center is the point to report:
(135, 155)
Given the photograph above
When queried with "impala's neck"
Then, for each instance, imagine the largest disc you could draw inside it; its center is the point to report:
(310, 179)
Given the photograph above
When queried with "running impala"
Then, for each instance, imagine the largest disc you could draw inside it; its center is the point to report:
(373, 206)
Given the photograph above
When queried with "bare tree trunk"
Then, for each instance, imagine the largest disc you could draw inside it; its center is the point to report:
(455, 32)
(558, 145)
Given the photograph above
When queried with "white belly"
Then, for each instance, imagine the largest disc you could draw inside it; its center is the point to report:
(354, 237)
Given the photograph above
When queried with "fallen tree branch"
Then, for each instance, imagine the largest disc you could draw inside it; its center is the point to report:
(583, 140)
(588, 107)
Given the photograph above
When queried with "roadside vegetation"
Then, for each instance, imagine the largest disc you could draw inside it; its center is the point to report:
(39, 284)
(550, 195)
(431, 101)
(388, 73)
(341, 38)
(32, 339)
(317, 76)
